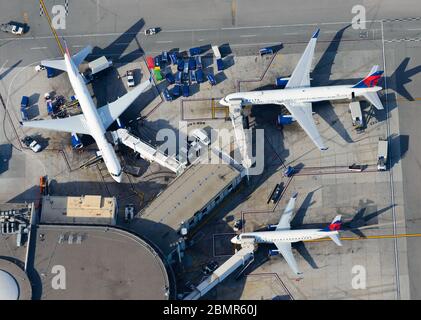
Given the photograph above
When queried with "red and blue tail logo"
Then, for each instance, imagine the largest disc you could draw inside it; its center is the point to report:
(335, 225)
(370, 81)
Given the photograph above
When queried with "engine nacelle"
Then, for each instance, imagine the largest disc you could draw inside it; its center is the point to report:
(281, 82)
(273, 252)
(76, 142)
(285, 119)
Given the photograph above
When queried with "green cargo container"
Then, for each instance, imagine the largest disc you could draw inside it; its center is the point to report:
(158, 75)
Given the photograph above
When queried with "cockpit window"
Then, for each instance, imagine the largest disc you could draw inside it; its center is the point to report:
(116, 175)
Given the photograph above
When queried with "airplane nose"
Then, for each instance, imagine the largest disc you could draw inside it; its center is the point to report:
(224, 102)
(234, 240)
(117, 178)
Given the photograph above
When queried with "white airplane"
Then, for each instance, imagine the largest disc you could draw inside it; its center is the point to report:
(297, 95)
(282, 236)
(92, 121)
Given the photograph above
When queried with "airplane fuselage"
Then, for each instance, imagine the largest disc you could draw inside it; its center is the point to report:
(282, 236)
(93, 120)
(306, 94)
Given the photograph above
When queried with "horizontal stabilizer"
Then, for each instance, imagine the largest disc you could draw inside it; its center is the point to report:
(81, 55)
(55, 64)
(374, 99)
(335, 238)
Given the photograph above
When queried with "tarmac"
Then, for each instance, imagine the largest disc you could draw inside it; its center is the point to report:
(392, 264)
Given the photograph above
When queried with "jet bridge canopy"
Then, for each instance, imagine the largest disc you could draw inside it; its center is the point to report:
(148, 152)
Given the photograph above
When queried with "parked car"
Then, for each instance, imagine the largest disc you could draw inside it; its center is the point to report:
(151, 31)
(31, 143)
(200, 76)
(13, 28)
(157, 61)
(39, 67)
(130, 78)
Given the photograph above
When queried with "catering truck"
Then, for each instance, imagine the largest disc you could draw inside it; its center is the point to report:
(382, 155)
(99, 65)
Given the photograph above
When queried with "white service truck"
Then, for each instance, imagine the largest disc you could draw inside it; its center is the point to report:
(356, 114)
(382, 155)
(99, 65)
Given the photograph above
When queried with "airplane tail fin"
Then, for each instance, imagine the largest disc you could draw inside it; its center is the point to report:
(335, 225)
(371, 79)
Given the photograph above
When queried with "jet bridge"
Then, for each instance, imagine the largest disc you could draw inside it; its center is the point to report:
(146, 151)
(242, 139)
(241, 258)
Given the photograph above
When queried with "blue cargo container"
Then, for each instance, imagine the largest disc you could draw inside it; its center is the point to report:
(195, 51)
(180, 64)
(24, 114)
(192, 76)
(220, 64)
(173, 57)
(164, 56)
(199, 62)
(285, 120)
(281, 82)
(24, 103)
(186, 90)
(50, 72)
(192, 63)
(167, 95)
(176, 91)
(170, 78)
(178, 77)
(200, 76)
(211, 79)
(157, 61)
(50, 108)
(76, 142)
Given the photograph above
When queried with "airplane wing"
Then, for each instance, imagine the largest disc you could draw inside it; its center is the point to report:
(286, 251)
(301, 75)
(75, 124)
(302, 112)
(110, 112)
(284, 222)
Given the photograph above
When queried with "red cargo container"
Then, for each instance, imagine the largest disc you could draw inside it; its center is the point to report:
(150, 62)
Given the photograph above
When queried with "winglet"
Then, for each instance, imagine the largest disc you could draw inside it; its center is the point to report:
(316, 34)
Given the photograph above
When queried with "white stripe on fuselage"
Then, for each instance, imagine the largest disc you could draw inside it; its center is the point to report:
(93, 120)
(309, 94)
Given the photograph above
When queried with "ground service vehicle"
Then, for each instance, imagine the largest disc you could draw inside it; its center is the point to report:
(13, 28)
(130, 78)
(32, 144)
(382, 155)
